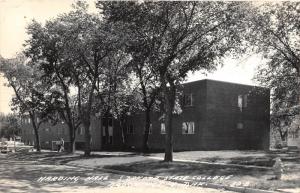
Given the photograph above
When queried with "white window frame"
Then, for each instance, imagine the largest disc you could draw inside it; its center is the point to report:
(242, 101)
(162, 128)
(189, 127)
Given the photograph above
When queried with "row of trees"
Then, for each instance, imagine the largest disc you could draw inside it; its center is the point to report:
(134, 55)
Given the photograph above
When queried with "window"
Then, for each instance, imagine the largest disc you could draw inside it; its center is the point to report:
(188, 128)
(242, 101)
(107, 126)
(80, 131)
(130, 129)
(188, 100)
(150, 129)
(162, 128)
(28, 120)
(240, 125)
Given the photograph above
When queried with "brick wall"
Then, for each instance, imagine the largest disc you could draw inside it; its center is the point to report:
(219, 122)
(216, 116)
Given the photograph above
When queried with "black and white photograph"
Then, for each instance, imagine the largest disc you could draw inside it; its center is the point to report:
(149, 96)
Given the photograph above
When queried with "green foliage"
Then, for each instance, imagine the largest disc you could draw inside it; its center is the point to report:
(166, 40)
(274, 32)
(10, 126)
(176, 37)
(31, 94)
(83, 60)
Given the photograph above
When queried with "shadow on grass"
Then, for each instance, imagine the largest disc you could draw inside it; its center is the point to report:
(22, 176)
(267, 160)
(255, 177)
(176, 168)
(59, 157)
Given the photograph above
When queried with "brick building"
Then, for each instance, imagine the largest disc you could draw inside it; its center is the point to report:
(215, 115)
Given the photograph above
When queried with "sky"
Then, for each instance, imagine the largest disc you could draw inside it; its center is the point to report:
(16, 14)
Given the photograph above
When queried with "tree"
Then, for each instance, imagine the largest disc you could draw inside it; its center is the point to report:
(125, 102)
(11, 127)
(43, 48)
(282, 80)
(174, 38)
(97, 58)
(30, 92)
(274, 32)
(78, 50)
(147, 80)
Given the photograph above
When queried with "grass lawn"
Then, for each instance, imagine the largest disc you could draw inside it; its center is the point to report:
(196, 172)
(235, 176)
(257, 158)
(228, 175)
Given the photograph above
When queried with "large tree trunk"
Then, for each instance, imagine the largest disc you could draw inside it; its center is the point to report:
(169, 97)
(147, 129)
(298, 82)
(86, 124)
(72, 140)
(72, 133)
(37, 140)
(72, 146)
(106, 130)
(122, 127)
(36, 133)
